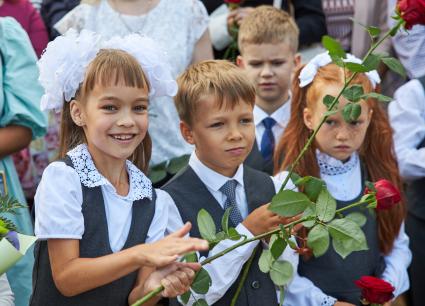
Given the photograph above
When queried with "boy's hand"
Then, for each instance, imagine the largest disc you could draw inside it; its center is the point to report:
(236, 16)
(263, 220)
(168, 249)
(176, 278)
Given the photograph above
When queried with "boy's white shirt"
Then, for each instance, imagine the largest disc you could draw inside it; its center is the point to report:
(6, 294)
(222, 279)
(281, 116)
(303, 292)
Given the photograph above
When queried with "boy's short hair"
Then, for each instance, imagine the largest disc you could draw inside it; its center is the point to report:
(218, 78)
(268, 25)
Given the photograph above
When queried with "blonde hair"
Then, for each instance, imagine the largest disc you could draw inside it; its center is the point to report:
(109, 67)
(268, 25)
(221, 79)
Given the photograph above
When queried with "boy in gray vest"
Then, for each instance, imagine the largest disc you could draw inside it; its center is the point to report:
(268, 42)
(215, 103)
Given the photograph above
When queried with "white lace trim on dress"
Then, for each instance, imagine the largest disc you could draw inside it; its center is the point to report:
(332, 166)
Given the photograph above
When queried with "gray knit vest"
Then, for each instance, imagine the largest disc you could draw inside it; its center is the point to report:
(256, 161)
(191, 195)
(415, 190)
(94, 243)
(335, 276)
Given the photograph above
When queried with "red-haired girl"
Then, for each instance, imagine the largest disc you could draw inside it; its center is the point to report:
(344, 155)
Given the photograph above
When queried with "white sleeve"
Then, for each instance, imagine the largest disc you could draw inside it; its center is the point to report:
(6, 294)
(397, 262)
(407, 118)
(74, 19)
(58, 202)
(158, 226)
(220, 37)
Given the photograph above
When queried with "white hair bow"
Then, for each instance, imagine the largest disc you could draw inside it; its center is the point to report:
(310, 70)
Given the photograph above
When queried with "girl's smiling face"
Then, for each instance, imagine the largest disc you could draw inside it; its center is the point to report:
(336, 137)
(114, 119)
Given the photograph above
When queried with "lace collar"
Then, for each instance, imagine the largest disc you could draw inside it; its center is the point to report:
(140, 185)
(332, 166)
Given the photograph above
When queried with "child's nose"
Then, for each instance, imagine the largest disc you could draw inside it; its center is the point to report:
(343, 133)
(266, 71)
(126, 119)
(235, 134)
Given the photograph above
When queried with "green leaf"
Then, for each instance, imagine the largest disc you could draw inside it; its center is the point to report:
(191, 257)
(353, 93)
(325, 206)
(185, 297)
(357, 217)
(351, 112)
(178, 163)
(288, 203)
(395, 65)
(309, 211)
(277, 247)
(225, 220)
(370, 186)
(158, 172)
(233, 234)
(200, 302)
(313, 187)
(347, 236)
(355, 67)
(334, 47)
(265, 261)
(202, 282)
(330, 113)
(356, 111)
(327, 100)
(372, 61)
(318, 240)
(281, 295)
(295, 178)
(281, 272)
(292, 244)
(206, 225)
(378, 96)
(6, 225)
(374, 32)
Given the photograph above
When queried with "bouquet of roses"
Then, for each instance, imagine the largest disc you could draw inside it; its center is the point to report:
(315, 204)
(12, 244)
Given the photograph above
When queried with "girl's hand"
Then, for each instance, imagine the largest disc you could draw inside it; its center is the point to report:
(343, 304)
(168, 250)
(176, 278)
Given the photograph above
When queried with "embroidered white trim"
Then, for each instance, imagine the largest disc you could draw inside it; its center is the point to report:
(65, 60)
(328, 301)
(331, 166)
(309, 71)
(140, 185)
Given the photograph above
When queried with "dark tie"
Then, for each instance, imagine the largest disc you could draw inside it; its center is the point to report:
(267, 141)
(229, 190)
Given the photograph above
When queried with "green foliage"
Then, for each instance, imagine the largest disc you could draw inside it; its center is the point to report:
(372, 61)
(265, 261)
(351, 112)
(312, 187)
(206, 225)
(159, 172)
(277, 247)
(9, 204)
(225, 220)
(200, 303)
(378, 96)
(355, 67)
(374, 32)
(202, 282)
(281, 272)
(191, 257)
(310, 211)
(347, 237)
(336, 52)
(185, 297)
(325, 206)
(318, 240)
(288, 203)
(353, 93)
(395, 65)
(178, 163)
(327, 100)
(357, 217)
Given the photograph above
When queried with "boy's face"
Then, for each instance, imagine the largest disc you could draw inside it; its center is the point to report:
(270, 67)
(223, 137)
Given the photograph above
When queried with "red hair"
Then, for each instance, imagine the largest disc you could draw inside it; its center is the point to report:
(376, 152)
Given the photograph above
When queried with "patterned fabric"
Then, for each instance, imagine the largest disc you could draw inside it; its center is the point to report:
(176, 26)
(229, 190)
(268, 141)
(140, 185)
(331, 166)
(339, 24)
(328, 301)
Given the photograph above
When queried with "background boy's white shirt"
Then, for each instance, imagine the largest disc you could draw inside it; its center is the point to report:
(304, 292)
(281, 116)
(407, 118)
(222, 279)
(6, 294)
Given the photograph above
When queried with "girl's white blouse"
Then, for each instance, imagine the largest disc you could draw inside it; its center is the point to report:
(59, 198)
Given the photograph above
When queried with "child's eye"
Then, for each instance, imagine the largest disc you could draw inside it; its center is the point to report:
(141, 108)
(109, 107)
(246, 120)
(278, 63)
(356, 123)
(330, 122)
(216, 124)
(255, 64)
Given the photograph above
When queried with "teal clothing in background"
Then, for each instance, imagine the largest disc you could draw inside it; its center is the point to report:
(19, 105)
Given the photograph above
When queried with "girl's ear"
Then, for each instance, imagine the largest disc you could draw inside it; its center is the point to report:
(308, 118)
(187, 132)
(76, 111)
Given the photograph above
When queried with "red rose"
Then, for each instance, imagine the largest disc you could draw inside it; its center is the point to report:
(412, 12)
(387, 195)
(234, 1)
(375, 290)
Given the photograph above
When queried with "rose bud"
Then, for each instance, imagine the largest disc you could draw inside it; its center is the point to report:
(412, 12)
(375, 290)
(387, 195)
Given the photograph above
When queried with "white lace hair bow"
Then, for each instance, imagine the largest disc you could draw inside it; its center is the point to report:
(309, 71)
(63, 64)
